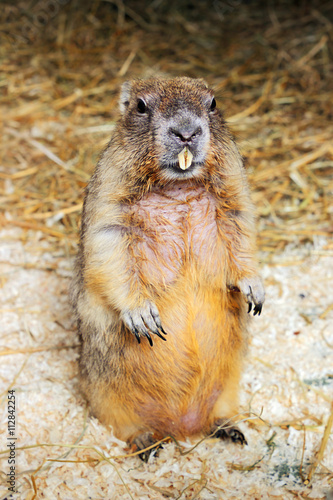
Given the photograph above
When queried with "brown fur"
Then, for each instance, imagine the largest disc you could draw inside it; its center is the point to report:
(178, 244)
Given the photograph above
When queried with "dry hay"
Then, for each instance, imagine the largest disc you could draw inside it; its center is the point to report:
(60, 73)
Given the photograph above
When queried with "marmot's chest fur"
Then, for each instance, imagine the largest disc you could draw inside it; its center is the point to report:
(173, 229)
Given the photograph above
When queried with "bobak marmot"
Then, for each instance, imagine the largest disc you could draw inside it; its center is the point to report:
(167, 243)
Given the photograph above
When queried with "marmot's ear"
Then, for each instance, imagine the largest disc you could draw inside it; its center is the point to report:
(203, 82)
(125, 96)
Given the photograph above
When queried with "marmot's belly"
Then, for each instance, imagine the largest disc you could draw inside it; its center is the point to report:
(179, 401)
(177, 383)
(180, 420)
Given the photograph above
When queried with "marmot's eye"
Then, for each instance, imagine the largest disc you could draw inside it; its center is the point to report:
(212, 105)
(142, 106)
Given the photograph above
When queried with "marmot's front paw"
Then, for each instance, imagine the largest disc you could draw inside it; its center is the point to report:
(143, 321)
(254, 292)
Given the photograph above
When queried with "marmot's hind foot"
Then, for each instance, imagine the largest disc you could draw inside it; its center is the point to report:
(223, 429)
(144, 441)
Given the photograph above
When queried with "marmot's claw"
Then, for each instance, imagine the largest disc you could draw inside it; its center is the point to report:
(257, 309)
(163, 331)
(150, 340)
(156, 332)
(136, 333)
(253, 290)
(143, 321)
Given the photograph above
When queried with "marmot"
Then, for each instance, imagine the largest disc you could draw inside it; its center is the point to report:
(167, 242)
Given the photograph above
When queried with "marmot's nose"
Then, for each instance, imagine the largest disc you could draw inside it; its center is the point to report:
(185, 135)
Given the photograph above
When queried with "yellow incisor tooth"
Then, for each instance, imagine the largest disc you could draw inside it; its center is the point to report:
(185, 158)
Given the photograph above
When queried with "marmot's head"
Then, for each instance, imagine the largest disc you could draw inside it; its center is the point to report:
(168, 124)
